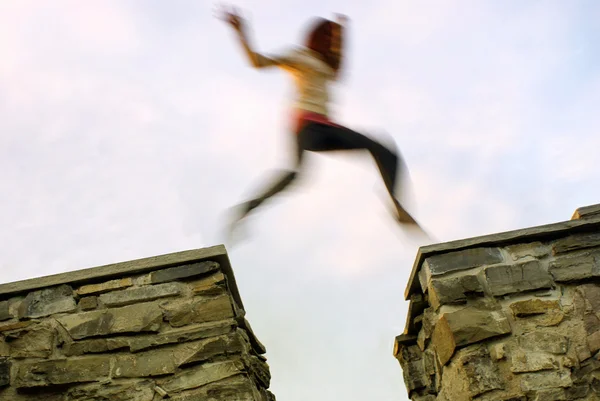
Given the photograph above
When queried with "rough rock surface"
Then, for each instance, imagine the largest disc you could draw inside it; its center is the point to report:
(170, 333)
(512, 320)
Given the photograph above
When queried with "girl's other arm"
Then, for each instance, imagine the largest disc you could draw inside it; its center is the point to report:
(257, 60)
(337, 41)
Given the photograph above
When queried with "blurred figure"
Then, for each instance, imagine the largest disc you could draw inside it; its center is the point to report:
(313, 66)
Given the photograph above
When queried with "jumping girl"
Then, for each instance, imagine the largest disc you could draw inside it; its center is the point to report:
(313, 67)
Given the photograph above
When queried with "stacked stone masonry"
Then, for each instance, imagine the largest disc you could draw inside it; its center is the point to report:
(511, 317)
(171, 332)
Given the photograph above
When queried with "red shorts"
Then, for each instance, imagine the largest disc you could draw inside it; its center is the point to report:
(302, 117)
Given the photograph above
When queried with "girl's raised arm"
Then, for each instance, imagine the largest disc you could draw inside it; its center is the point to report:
(233, 18)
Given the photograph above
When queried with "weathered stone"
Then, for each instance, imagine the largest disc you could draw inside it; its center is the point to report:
(462, 260)
(544, 342)
(532, 362)
(528, 250)
(5, 365)
(239, 388)
(576, 392)
(96, 346)
(128, 319)
(583, 352)
(105, 287)
(498, 351)
(129, 391)
(48, 301)
(200, 310)
(62, 371)
(184, 334)
(140, 294)
(167, 360)
(466, 326)
(414, 375)
(8, 326)
(551, 394)
(88, 303)
(574, 267)
(36, 342)
(544, 380)
(586, 212)
(591, 297)
(201, 375)
(182, 272)
(211, 285)
(591, 322)
(593, 341)
(507, 279)
(4, 311)
(145, 364)
(543, 313)
(481, 373)
(453, 290)
(575, 242)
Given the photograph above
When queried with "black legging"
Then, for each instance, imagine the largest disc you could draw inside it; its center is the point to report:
(318, 137)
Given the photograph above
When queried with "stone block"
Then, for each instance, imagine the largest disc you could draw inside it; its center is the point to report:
(198, 310)
(128, 319)
(464, 327)
(414, 375)
(4, 311)
(183, 334)
(591, 296)
(543, 341)
(574, 267)
(94, 289)
(210, 285)
(183, 272)
(62, 371)
(498, 351)
(551, 394)
(576, 242)
(140, 294)
(481, 373)
(123, 391)
(201, 375)
(239, 388)
(145, 364)
(46, 302)
(36, 342)
(540, 312)
(545, 380)
(88, 303)
(9, 326)
(453, 290)
(593, 341)
(462, 260)
(507, 279)
(576, 392)
(531, 250)
(163, 361)
(96, 346)
(5, 365)
(523, 362)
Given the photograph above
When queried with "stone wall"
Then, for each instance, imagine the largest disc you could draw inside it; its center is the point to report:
(506, 317)
(169, 327)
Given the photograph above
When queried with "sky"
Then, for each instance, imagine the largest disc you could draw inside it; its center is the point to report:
(128, 128)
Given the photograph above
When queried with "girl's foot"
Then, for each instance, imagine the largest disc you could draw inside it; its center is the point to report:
(402, 215)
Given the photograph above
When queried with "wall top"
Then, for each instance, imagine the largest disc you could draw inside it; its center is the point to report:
(584, 219)
(216, 253)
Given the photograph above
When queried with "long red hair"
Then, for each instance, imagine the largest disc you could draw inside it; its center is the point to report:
(319, 39)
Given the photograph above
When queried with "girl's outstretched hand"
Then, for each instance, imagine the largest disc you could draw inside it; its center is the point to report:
(341, 19)
(232, 16)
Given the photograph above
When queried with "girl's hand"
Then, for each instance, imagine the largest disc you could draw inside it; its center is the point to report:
(232, 16)
(341, 19)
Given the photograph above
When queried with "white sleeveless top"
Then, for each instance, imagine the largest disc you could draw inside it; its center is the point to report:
(311, 76)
